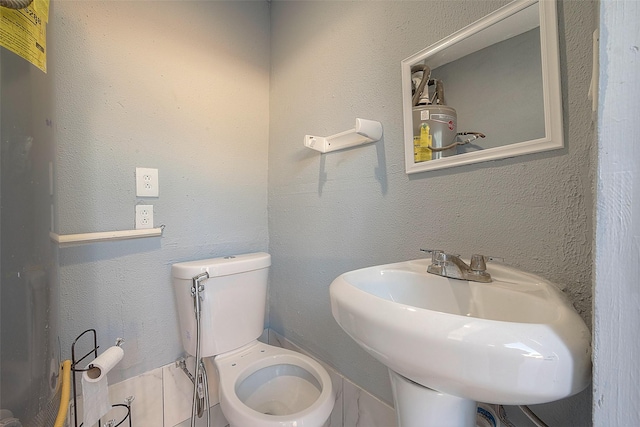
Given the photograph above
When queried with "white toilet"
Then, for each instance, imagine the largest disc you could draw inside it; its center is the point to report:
(260, 385)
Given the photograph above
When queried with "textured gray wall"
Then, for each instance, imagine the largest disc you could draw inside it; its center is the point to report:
(178, 86)
(335, 61)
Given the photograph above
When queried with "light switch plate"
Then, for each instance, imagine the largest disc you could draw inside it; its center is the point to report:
(147, 182)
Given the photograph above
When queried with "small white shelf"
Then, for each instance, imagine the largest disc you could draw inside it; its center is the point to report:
(365, 132)
(104, 236)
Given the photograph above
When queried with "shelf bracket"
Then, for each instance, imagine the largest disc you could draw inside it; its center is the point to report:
(365, 131)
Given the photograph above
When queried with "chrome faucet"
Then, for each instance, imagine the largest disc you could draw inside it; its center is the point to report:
(450, 265)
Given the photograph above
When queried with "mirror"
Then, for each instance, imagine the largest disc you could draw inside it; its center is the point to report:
(492, 91)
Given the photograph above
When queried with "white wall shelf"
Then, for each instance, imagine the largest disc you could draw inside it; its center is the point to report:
(365, 131)
(104, 236)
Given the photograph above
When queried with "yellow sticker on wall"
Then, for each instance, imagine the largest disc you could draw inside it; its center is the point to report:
(24, 32)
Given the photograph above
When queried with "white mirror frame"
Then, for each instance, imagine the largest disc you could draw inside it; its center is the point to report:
(448, 48)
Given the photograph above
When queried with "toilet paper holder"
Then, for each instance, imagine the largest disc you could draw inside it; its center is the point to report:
(90, 338)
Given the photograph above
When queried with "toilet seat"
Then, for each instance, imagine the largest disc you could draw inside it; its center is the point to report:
(292, 388)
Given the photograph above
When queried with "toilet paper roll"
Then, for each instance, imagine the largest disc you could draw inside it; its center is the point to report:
(102, 364)
(95, 389)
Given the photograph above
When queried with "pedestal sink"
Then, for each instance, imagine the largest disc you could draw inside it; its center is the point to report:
(449, 343)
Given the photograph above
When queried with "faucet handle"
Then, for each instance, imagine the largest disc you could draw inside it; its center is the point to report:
(437, 256)
(440, 257)
(479, 262)
(429, 251)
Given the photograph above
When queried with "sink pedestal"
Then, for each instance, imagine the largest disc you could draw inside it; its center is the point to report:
(419, 406)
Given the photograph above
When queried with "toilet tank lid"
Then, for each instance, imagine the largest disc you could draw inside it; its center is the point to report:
(222, 266)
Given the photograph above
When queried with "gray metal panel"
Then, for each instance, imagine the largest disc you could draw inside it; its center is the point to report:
(28, 331)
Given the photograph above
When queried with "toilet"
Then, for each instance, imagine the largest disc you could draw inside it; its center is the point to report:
(259, 385)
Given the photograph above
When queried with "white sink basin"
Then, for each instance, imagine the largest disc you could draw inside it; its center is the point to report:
(516, 340)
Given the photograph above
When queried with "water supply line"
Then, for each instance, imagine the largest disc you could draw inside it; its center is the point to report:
(422, 86)
(65, 373)
(200, 384)
(473, 137)
(15, 4)
(533, 417)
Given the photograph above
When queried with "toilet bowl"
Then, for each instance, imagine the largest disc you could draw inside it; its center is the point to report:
(259, 385)
(263, 385)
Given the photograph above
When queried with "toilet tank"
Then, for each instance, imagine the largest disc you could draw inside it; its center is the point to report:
(233, 307)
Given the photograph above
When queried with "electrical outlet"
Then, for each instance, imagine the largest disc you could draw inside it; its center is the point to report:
(146, 182)
(144, 216)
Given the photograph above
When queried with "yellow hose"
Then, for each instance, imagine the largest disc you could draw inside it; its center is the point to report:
(64, 396)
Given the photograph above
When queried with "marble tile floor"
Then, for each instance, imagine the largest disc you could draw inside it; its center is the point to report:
(162, 398)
